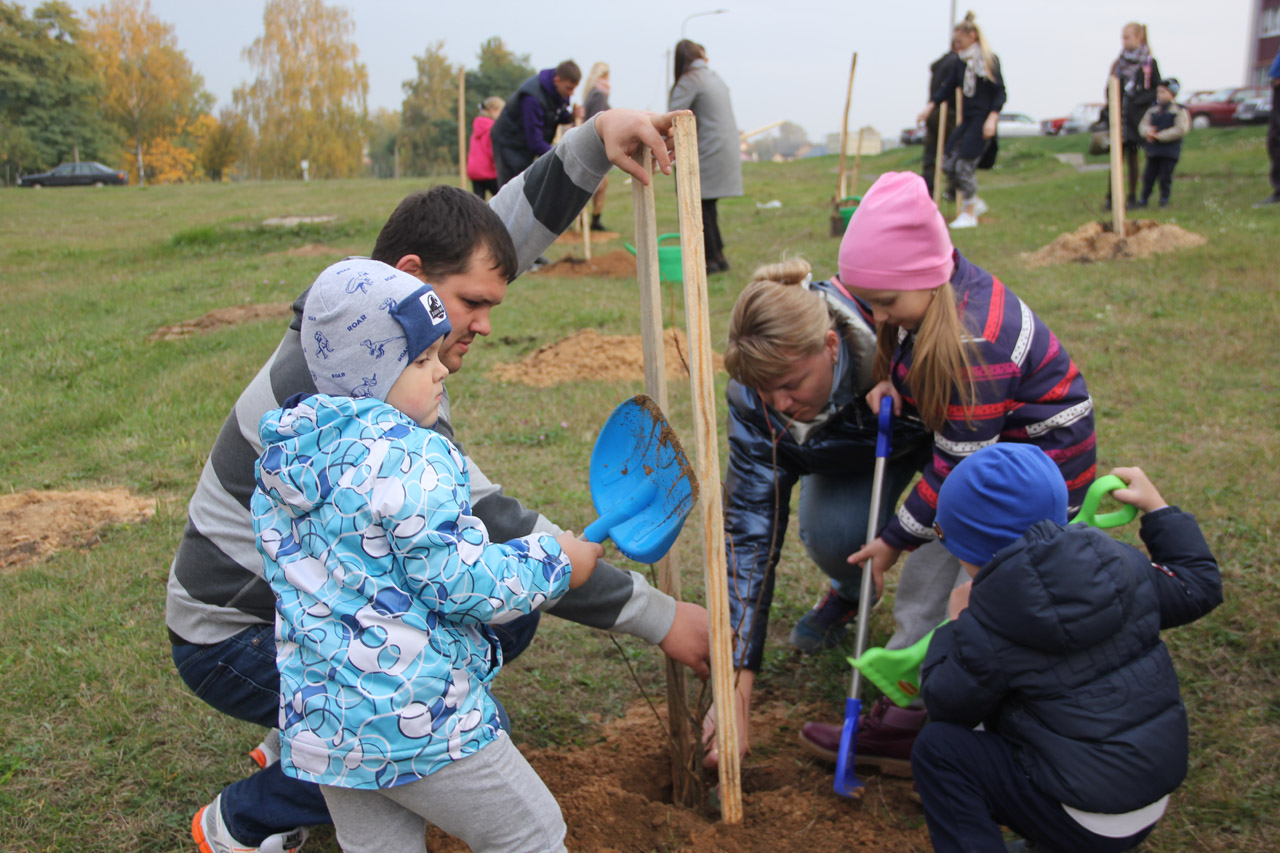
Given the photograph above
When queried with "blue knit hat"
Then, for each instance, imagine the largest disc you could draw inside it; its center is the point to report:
(994, 496)
(363, 323)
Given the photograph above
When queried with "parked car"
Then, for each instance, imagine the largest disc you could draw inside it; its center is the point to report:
(1081, 117)
(1218, 108)
(1255, 110)
(1017, 124)
(912, 136)
(75, 175)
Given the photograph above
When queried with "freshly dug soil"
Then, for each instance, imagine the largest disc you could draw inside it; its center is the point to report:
(616, 264)
(572, 236)
(590, 355)
(1096, 241)
(614, 795)
(34, 525)
(219, 317)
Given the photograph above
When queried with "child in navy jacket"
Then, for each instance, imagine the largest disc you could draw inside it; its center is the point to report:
(1055, 704)
(1162, 128)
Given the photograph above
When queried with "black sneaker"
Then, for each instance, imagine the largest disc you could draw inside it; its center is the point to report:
(1139, 203)
(597, 225)
(1274, 198)
(825, 625)
(1164, 202)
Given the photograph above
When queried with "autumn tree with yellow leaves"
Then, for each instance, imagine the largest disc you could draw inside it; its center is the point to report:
(149, 88)
(309, 98)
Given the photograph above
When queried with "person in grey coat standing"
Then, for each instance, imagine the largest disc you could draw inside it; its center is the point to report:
(700, 89)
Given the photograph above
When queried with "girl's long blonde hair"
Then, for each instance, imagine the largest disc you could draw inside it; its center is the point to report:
(989, 61)
(600, 69)
(943, 359)
(775, 320)
(1140, 29)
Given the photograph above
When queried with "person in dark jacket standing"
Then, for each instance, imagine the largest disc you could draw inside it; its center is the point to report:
(1139, 74)
(940, 70)
(1273, 136)
(701, 90)
(978, 77)
(1162, 127)
(527, 125)
(1054, 647)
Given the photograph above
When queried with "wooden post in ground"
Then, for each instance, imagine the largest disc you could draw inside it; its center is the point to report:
(584, 221)
(857, 160)
(937, 159)
(462, 128)
(655, 385)
(959, 118)
(844, 130)
(710, 507)
(1117, 157)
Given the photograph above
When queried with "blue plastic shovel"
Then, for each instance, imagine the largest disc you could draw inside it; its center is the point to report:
(641, 482)
(847, 783)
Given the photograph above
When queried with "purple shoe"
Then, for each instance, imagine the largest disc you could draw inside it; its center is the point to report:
(886, 734)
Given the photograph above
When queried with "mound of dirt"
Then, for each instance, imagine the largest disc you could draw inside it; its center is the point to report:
(34, 525)
(615, 264)
(590, 355)
(1096, 241)
(572, 236)
(219, 317)
(615, 795)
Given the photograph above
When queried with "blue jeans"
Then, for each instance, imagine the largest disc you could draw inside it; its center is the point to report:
(239, 678)
(970, 783)
(833, 519)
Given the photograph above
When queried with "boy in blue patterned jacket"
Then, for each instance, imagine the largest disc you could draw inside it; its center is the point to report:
(387, 584)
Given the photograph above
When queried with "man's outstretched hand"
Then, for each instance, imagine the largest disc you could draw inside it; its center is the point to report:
(625, 133)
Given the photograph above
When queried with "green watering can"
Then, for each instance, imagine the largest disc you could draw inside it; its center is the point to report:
(670, 264)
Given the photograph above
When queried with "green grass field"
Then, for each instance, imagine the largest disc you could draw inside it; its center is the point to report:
(103, 748)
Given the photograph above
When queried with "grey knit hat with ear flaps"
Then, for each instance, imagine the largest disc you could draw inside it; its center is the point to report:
(363, 323)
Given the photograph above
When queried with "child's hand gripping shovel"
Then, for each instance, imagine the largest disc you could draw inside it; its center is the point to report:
(847, 783)
(897, 672)
(641, 482)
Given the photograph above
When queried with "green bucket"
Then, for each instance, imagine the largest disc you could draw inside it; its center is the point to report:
(846, 212)
(670, 263)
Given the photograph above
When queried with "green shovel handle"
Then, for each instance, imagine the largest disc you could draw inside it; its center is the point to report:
(1102, 487)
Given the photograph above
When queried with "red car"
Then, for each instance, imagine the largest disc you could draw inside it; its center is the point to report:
(1218, 109)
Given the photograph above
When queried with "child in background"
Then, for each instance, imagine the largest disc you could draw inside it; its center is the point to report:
(386, 584)
(1054, 648)
(480, 166)
(979, 367)
(1163, 127)
(595, 99)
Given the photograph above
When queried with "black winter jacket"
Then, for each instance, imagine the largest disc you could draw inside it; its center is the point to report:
(1060, 653)
(982, 96)
(766, 461)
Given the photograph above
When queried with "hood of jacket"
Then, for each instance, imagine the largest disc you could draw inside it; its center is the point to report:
(1035, 592)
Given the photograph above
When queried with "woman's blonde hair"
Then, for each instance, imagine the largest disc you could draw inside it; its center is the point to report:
(943, 359)
(493, 103)
(1140, 29)
(600, 69)
(774, 321)
(989, 61)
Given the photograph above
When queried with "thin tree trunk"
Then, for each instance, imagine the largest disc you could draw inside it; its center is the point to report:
(142, 177)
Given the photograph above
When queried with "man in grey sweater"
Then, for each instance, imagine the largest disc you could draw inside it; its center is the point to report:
(219, 609)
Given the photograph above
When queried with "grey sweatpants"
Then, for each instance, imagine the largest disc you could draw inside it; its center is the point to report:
(961, 174)
(924, 591)
(493, 800)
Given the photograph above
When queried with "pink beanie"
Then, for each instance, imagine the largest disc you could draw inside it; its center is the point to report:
(897, 239)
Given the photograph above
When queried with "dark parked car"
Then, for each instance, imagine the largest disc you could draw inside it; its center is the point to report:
(912, 136)
(1219, 108)
(1255, 110)
(75, 175)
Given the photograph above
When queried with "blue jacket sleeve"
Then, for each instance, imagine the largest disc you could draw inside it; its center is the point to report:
(1183, 569)
(531, 120)
(961, 680)
(757, 500)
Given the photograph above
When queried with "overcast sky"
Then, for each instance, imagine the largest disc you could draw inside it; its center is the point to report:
(784, 59)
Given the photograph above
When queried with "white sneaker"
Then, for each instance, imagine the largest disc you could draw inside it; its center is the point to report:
(964, 220)
(212, 836)
(268, 752)
(979, 207)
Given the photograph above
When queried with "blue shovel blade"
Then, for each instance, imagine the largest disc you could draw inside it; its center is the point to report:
(847, 783)
(641, 482)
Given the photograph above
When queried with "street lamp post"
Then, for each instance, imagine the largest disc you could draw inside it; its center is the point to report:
(698, 15)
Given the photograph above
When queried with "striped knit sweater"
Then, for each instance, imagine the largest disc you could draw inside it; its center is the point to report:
(216, 588)
(1026, 387)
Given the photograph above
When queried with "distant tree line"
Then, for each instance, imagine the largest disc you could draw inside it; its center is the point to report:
(115, 87)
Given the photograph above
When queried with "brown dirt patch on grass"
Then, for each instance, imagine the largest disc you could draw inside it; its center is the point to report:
(591, 355)
(219, 317)
(615, 264)
(575, 237)
(34, 524)
(615, 795)
(1096, 241)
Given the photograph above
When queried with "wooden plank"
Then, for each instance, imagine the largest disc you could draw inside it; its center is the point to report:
(1117, 157)
(937, 160)
(655, 385)
(844, 129)
(462, 128)
(706, 439)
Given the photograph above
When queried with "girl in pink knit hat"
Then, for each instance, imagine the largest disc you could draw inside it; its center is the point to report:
(964, 352)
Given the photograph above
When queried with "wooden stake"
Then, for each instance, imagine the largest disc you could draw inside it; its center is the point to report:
(844, 128)
(959, 118)
(584, 221)
(655, 385)
(462, 128)
(857, 161)
(937, 160)
(1117, 157)
(702, 376)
